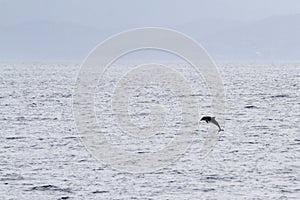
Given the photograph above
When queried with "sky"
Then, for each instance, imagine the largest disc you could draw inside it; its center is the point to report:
(228, 29)
(123, 13)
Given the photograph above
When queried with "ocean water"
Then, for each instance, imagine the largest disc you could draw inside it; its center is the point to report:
(256, 157)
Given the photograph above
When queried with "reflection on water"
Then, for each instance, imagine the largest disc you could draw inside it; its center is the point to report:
(257, 156)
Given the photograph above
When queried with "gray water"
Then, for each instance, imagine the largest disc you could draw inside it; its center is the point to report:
(256, 157)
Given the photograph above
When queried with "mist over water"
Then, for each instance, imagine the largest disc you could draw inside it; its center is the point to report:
(257, 156)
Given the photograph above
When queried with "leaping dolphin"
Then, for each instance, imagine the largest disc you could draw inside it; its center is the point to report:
(209, 119)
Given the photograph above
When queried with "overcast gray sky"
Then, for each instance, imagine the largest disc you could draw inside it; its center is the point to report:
(228, 29)
(119, 13)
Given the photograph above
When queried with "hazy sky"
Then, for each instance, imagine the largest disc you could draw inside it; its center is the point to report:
(69, 29)
(121, 13)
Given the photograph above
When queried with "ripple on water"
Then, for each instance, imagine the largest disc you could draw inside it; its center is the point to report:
(50, 188)
(257, 156)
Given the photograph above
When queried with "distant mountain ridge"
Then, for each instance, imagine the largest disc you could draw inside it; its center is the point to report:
(273, 38)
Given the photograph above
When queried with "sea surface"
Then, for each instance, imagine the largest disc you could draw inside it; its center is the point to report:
(256, 157)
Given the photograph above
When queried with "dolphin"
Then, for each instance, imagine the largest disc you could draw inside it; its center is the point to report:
(211, 120)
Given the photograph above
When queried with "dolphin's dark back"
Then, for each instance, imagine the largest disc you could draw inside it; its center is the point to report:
(206, 118)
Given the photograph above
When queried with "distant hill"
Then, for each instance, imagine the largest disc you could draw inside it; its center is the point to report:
(273, 38)
(48, 41)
